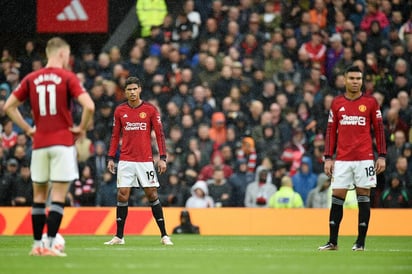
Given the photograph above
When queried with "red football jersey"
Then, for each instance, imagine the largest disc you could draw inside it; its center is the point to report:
(134, 127)
(50, 91)
(349, 129)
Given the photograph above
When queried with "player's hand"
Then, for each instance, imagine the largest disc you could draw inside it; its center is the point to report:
(328, 168)
(30, 132)
(76, 130)
(380, 165)
(110, 166)
(161, 166)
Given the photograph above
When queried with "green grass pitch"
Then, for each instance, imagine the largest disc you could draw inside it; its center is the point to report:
(210, 254)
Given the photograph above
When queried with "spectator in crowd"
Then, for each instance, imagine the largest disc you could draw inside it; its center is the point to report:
(316, 153)
(218, 129)
(190, 169)
(186, 226)
(373, 13)
(278, 171)
(407, 153)
(395, 149)
(304, 180)
(286, 197)
(239, 181)
(320, 196)
(395, 194)
(22, 187)
(200, 196)
(8, 135)
(259, 191)
(8, 181)
(174, 193)
(207, 171)
(82, 192)
(219, 189)
(84, 147)
(106, 191)
(150, 13)
(315, 49)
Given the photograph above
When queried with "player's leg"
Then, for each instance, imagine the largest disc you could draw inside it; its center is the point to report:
(148, 181)
(122, 209)
(341, 182)
(364, 182)
(336, 214)
(363, 217)
(157, 211)
(38, 216)
(126, 179)
(58, 197)
(63, 170)
(40, 177)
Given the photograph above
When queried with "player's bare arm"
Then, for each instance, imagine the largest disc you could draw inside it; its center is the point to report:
(11, 109)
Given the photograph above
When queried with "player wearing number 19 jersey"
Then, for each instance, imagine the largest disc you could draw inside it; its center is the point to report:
(50, 92)
(352, 117)
(133, 123)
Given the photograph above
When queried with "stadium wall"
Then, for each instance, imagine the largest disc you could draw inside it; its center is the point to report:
(213, 221)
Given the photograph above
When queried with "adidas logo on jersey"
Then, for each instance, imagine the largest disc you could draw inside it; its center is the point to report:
(342, 109)
(73, 12)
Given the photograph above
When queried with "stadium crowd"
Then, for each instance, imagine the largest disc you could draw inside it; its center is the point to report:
(244, 88)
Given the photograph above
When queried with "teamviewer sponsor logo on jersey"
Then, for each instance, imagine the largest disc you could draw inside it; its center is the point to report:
(135, 126)
(353, 120)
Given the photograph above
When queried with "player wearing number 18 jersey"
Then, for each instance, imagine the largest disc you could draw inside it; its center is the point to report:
(352, 117)
(50, 91)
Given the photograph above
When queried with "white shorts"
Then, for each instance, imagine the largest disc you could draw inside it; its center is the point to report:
(347, 174)
(136, 174)
(55, 163)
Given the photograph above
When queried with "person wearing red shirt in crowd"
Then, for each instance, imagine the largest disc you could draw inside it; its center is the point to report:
(50, 91)
(353, 115)
(315, 49)
(133, 122)
(374, 14)
(8, 136)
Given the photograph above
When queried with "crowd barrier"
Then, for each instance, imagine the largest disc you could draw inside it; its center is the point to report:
(213, 221)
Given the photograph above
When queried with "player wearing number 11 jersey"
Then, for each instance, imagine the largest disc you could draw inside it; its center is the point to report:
(352, 117)
(50, 91)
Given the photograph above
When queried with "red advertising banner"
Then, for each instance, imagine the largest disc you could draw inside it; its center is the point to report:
(72, 16)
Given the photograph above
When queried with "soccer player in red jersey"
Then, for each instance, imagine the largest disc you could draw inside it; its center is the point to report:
(349, 141)
(50, 91)
(133, 123)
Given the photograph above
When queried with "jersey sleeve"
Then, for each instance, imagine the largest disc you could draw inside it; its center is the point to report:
(22, 92)
(331, 133)
(114, 141)
(378, 129)
(156, 122)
